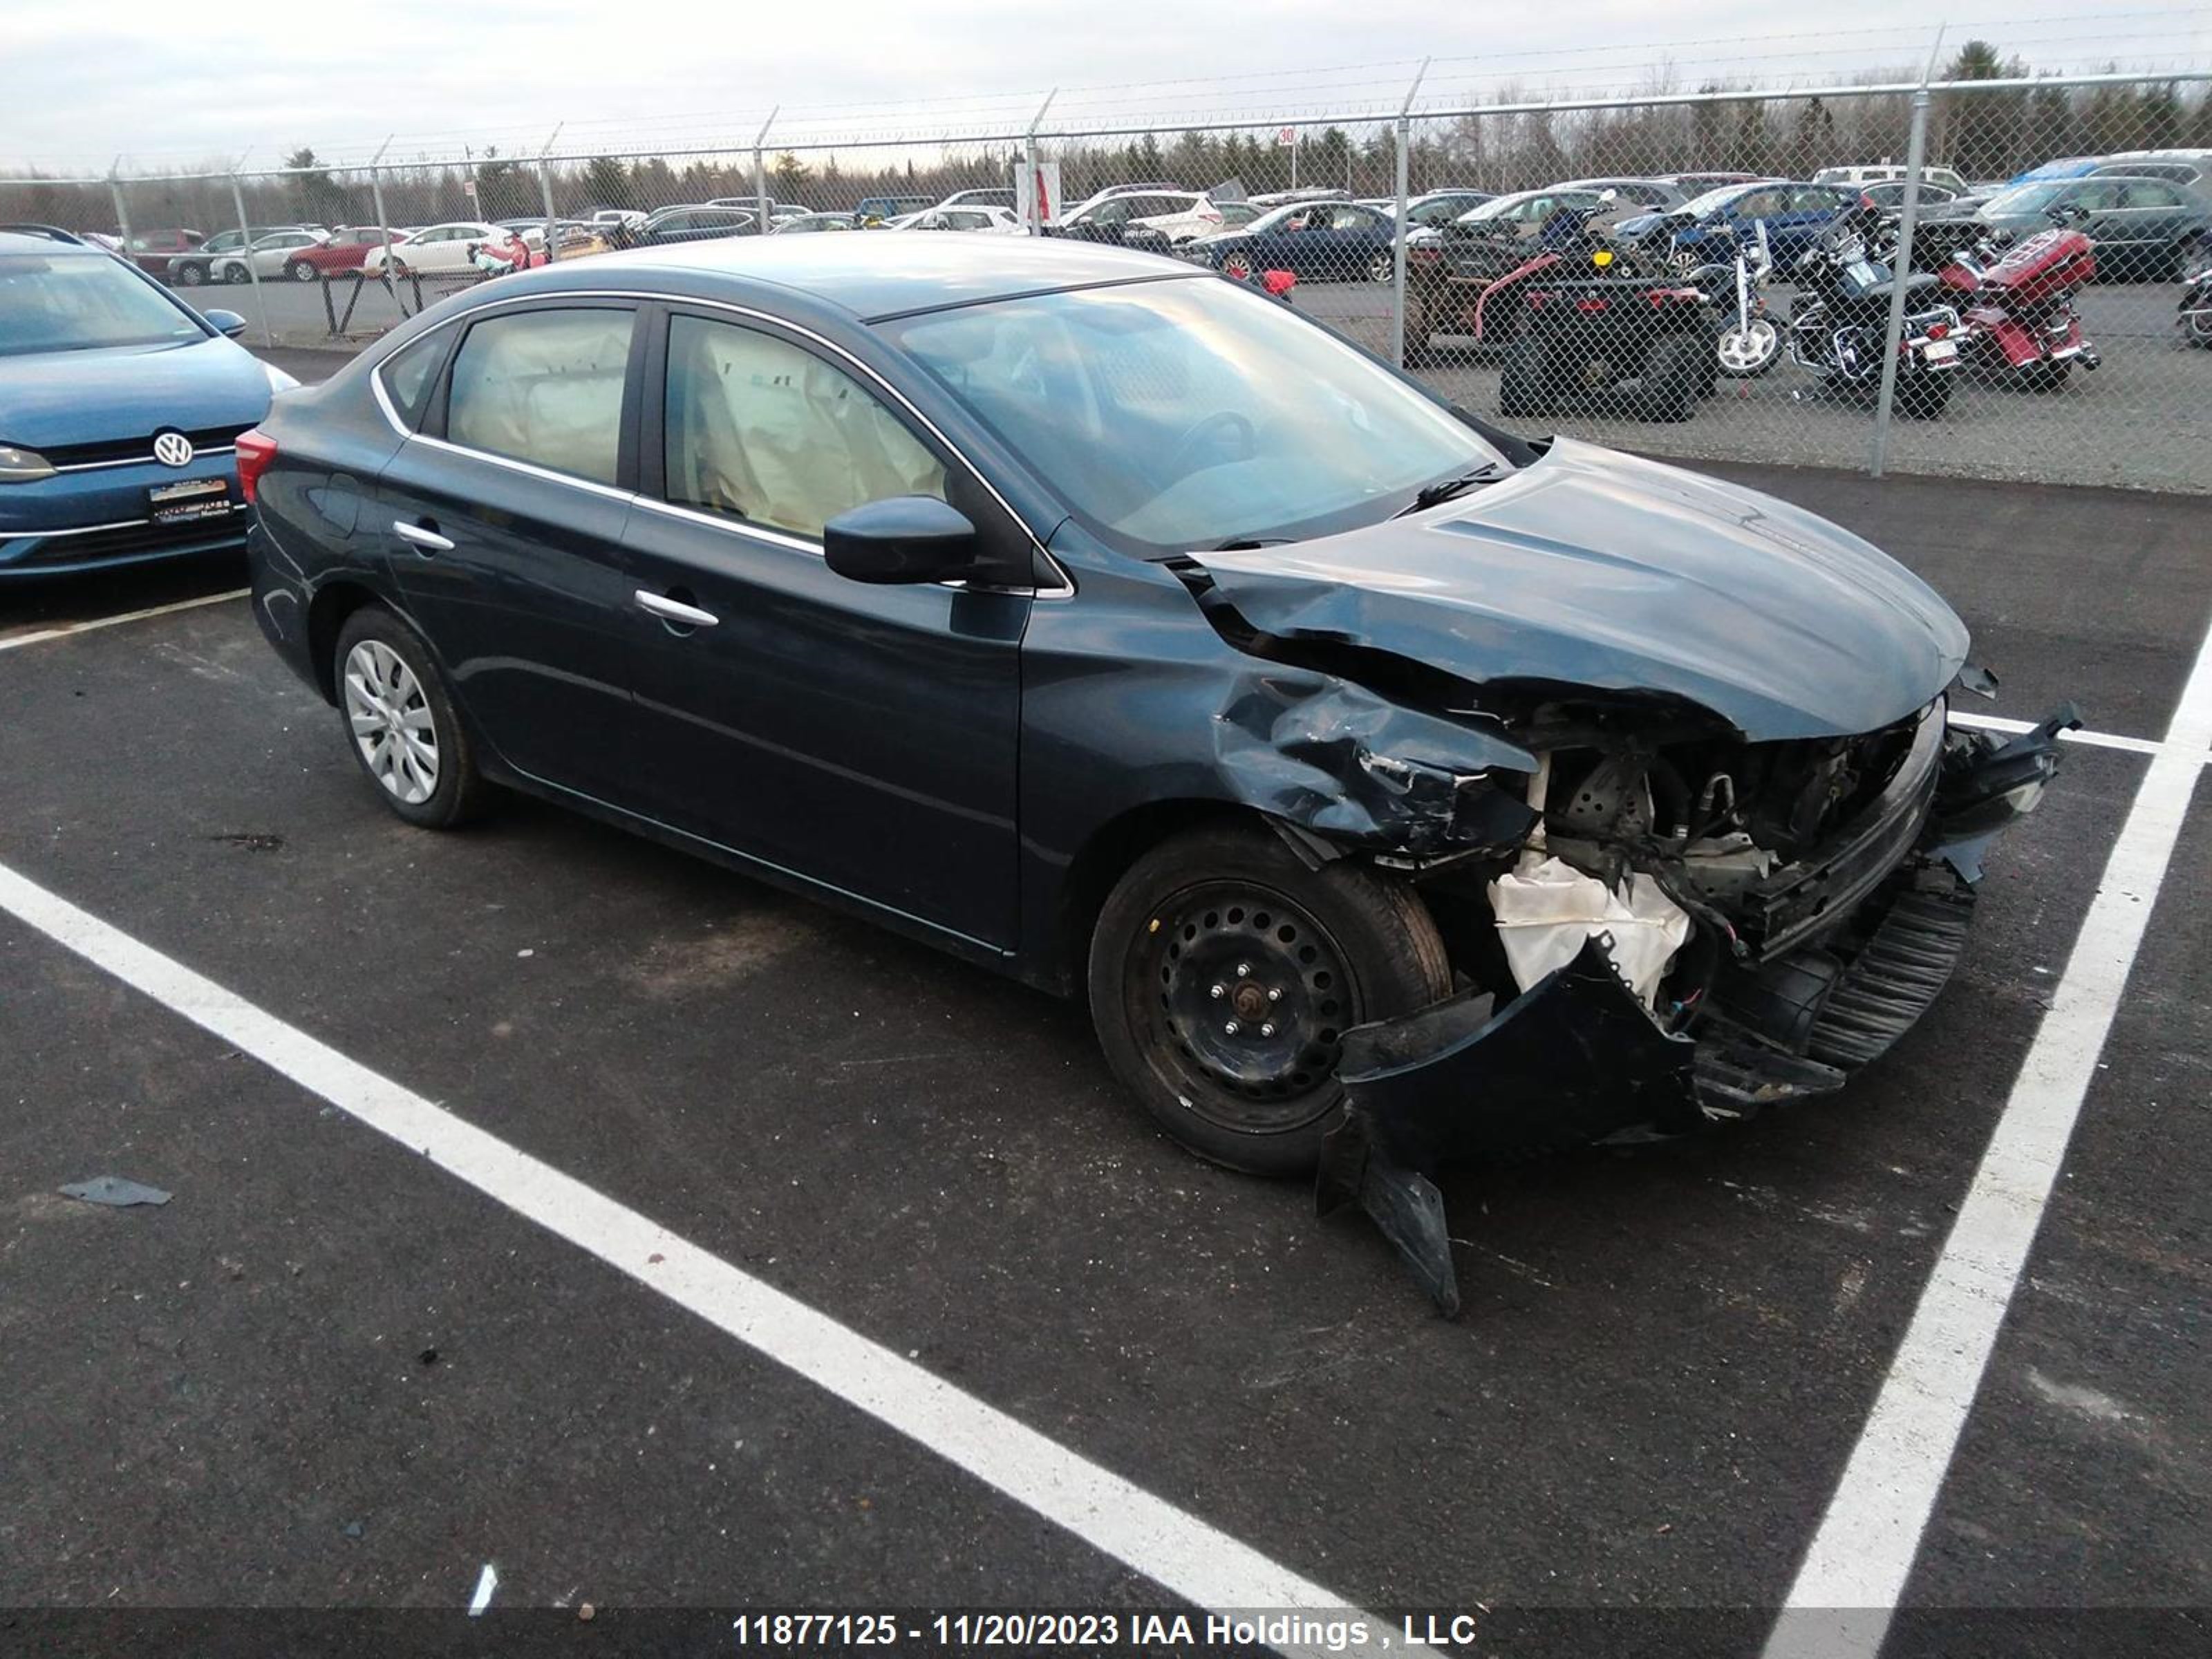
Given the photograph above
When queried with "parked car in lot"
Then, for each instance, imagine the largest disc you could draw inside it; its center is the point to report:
(152, 250)
(1656, 193)
(1130, 634)
(342, 250)
(989, 221)
(1888, 195)
(1172, 216)
(874, 209)
(2143, 227)
(119, 406)
(1320, 241)
(192, 269)
(1710, 228)
(807, 224)
(1945, 179)
(1170, 232)
(991, 196)
(446, 249)
(269, 256)
(696, 224)
(2190, 168)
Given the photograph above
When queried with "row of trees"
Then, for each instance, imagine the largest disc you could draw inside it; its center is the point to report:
(1983, 135)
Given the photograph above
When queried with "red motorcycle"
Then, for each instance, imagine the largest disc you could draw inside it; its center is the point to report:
(2018, 302)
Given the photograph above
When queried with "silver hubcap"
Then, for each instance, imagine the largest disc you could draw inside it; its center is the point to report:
(1746, 348)
(391, 721)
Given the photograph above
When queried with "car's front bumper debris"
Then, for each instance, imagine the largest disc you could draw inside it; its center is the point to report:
(1577, 1058)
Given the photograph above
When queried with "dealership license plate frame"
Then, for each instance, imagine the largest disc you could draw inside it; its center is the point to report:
(187, 499)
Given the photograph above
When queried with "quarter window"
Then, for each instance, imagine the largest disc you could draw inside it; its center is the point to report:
(545, 387)
(759, 430)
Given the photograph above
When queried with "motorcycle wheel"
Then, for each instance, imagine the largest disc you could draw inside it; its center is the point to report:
(1745, 354)
(2199, 330)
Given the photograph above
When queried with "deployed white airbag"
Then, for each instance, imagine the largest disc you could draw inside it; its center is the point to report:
(1545, 913)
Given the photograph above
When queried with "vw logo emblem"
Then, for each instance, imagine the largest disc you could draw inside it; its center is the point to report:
(173, 449)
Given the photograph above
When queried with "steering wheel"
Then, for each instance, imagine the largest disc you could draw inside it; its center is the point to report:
(1226, 419)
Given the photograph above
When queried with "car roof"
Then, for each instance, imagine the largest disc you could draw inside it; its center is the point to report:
(48, 242)
(861, 277)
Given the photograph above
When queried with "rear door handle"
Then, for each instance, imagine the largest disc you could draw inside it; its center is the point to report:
(675, 611)
(428, 540)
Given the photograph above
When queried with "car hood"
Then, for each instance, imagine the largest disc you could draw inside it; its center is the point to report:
(48, 399)
(1594, 569)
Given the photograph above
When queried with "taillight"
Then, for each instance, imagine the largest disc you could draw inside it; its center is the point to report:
(255, 449)
(1937, 331)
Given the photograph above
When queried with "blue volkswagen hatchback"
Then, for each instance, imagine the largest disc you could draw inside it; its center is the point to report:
(119, 407)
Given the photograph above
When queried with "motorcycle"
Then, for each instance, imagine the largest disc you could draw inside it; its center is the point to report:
(1752, 344)
(1839, 319)
(2195, 306)
(2018, 301)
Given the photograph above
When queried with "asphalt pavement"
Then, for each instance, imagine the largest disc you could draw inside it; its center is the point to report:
(331, 1371)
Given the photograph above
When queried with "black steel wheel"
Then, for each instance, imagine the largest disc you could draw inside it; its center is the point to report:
(1224, 974)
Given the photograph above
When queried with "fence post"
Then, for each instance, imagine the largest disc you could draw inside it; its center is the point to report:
(545, 188)
(1397, 235)
(760, 174)
(1032, 210)
(383, 226)
(1916, 153)
(122, 213)
(252, 270)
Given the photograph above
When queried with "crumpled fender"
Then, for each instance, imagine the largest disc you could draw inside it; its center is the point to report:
(1334, 758)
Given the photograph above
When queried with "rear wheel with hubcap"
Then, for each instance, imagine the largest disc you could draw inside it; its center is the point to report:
(1223, 974)
(400, 721)
(1238, 266)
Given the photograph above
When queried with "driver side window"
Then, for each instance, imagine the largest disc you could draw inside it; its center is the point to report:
(761, 431)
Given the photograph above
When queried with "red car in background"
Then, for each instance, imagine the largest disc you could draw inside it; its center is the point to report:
(152, 250)
(348, 246)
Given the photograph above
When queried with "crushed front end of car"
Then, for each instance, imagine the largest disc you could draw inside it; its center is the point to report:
(1820, 891)
(1671, 765)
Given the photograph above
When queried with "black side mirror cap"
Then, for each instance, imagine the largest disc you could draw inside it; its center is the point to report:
(228, 324)
(902, 538)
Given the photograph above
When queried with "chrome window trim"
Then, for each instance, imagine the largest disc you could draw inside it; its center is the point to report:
(1064, 590)
(529, 468)
(146, 459)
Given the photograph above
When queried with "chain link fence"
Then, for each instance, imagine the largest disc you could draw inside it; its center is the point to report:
(1985, 277)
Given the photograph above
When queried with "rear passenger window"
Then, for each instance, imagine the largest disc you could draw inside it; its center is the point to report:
(407, 374)
(545, 387)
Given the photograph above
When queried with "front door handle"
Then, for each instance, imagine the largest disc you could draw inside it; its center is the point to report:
(675, 611)
(428, 540)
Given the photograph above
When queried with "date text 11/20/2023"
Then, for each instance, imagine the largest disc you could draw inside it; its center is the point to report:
(1161, 1631)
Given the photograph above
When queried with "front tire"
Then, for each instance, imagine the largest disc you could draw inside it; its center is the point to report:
(400, 723)
(1745, 354)
(1238, 266)
(1223, 974)
(1674, 379)
(1383, 268)
(301, 271)
(233, 274)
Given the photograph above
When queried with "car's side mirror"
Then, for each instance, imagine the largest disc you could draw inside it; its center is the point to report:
(902, 539)
(228, 324)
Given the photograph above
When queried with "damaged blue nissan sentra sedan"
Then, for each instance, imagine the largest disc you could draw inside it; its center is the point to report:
(1396, 790)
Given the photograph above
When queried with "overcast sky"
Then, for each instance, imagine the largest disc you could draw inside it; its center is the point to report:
(164, 86)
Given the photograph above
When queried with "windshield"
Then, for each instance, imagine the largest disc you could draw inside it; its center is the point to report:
(79, 302)
(1181, 414)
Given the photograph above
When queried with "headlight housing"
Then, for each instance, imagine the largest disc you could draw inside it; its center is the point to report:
(22, 465)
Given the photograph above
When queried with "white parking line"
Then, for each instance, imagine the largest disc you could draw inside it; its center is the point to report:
(86, 626)
(1847, 1588)
(1183, 1554)
(2094, 740)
